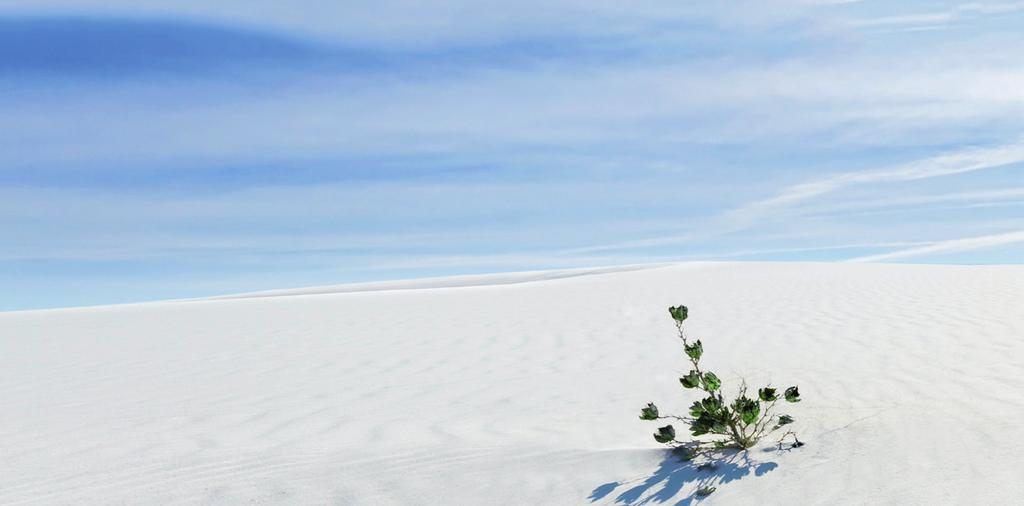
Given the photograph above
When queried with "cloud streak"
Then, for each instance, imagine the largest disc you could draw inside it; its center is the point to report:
(959, 162)
(947, 246)
(749, 215)
(958, 13)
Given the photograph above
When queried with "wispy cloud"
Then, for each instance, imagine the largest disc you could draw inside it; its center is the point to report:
(957, 13)
(910, 19)
(1008, 196)
(959, 162)
(749, 215)
(948, 246)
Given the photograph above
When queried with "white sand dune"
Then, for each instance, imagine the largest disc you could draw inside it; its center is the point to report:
(521, 392)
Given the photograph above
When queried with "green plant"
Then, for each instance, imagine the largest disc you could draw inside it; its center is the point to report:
(706, 491)
(714, 423)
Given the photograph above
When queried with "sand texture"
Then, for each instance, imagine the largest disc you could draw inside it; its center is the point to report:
(522, 390)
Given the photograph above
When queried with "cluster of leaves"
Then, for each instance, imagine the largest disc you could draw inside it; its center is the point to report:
(739, 424)
(706, 491)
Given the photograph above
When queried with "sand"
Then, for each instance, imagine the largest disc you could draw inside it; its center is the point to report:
(522, 390)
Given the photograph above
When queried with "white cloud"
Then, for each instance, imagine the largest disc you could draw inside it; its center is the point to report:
(910, 19)
(652, 106)
(1006, 196)
(949, 246)
(748, 215)
(957, 13)
(991, 8)
(959, 162)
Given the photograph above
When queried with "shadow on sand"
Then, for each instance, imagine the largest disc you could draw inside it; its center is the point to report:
(674, 474)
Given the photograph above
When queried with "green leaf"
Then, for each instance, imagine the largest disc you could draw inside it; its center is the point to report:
(711, 404)
(650, 412)
(694, 350)
(679, 313)
(793, 394)
(696, 409)
(711, 382)
(691, 380)
(767, 394)
(785, 420)
(702, 425)
(748, 409)
(706, 491)
(665, 434)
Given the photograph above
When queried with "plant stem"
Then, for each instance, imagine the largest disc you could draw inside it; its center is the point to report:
(686, 342)
(762, 424)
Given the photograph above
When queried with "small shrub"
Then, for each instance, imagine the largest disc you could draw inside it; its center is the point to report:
(714, 423)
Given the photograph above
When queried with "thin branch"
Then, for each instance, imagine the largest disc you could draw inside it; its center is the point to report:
(796, 441)
(762, 424)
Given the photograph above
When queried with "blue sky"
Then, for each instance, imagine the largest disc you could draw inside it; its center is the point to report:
(153, 150)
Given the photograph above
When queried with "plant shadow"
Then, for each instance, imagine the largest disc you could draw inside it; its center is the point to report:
(674, 474)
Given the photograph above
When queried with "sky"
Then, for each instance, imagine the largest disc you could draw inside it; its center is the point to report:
(155, 149)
